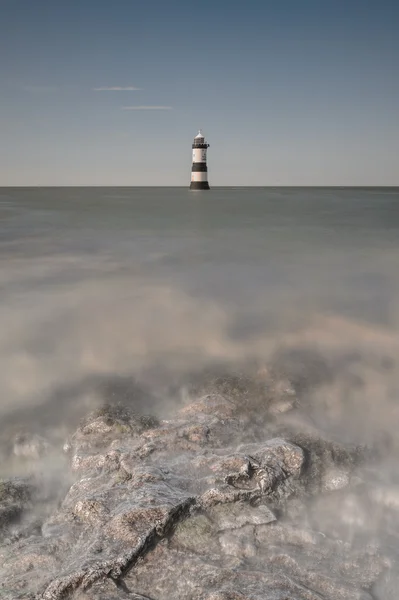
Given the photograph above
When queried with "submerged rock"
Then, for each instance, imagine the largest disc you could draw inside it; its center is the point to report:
(30, 446)
(15, 497)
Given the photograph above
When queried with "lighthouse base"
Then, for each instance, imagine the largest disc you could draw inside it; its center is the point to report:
(199, 185)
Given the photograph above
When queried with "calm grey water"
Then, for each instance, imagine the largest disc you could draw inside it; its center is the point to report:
(132, 294)
(112, 280)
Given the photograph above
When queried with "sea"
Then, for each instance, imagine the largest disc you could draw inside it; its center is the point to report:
(153, 284)
(152, 298)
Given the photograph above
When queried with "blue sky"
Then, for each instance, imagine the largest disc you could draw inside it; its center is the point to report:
(287, 92)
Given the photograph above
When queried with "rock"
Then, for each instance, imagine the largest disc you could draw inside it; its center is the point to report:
(335, 479)
(239, 514)
(276, 453)
(283, 406)
(106, 423)
(108, 523)
(197, 534)
(15, 497)
(90, 511)
(211, 404)
(108, 590)
(224, 595)
(222, 502)
(328, 464)
(239, 543)
(16, 490)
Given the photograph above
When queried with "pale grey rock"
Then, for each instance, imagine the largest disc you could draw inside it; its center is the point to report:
(239, 542)
(335, 479)
(239, 514)
(215, 504)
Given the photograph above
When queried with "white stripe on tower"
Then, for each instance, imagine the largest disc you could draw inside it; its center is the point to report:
(199, 169)
(200, 176)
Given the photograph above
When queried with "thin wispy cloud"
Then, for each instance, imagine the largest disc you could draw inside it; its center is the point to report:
(117, 88)
(146, 108)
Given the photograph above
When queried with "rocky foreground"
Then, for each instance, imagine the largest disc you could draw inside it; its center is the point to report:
(237, 497)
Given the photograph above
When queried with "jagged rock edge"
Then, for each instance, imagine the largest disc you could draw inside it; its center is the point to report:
(67, 585)
(62, 588)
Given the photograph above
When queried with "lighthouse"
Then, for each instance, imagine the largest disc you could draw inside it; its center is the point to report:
(199, 169)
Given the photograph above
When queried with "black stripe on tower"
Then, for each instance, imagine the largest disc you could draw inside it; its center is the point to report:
(199, 185)
(199, 168)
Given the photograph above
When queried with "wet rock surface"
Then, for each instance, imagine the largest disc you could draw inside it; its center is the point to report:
(15, 495)
(228, 499)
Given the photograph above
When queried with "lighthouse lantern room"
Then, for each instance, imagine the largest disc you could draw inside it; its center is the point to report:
(199, 169)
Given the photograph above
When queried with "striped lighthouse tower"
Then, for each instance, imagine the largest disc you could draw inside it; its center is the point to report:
(199, 170)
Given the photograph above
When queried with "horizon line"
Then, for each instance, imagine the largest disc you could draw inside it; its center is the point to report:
(335, 186)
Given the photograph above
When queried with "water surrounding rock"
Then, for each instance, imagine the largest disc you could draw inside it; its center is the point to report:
(30, 446)
(202, 506)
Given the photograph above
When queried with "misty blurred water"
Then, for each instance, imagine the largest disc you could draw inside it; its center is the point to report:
(105, 280)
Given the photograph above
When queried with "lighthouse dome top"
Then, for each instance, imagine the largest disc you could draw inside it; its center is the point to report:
(199, 141)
